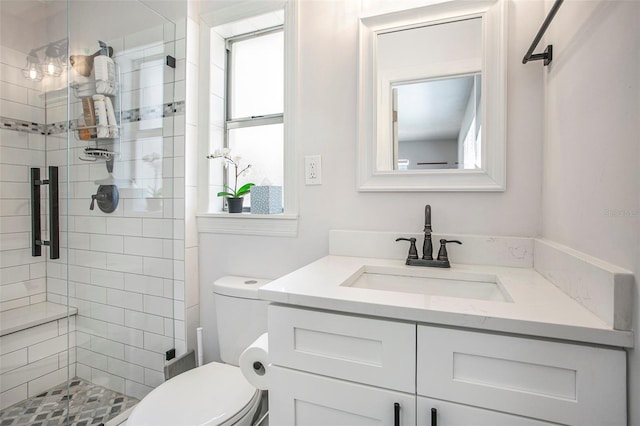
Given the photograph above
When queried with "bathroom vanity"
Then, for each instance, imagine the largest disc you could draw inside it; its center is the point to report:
(363, 341)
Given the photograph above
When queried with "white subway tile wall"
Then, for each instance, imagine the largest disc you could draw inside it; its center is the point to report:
(36, 359)
(118, 269)
(22, 277)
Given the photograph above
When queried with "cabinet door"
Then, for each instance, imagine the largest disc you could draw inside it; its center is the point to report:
(558, 382)
(303, 399)
(452, 414)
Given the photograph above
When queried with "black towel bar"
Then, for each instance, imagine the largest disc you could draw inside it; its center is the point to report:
(547, 55)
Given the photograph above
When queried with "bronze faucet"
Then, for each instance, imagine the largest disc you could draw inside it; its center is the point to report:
(427, 247)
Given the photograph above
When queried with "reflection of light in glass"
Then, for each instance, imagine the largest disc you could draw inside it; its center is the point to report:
(52, 64)
(262, 147)
(151, 176)
(32, 70)
(257, 81)
(479, 148)
(470, 147)
(151, 81)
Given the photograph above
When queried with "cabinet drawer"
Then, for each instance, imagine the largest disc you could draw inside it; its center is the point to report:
(556, 382)
(364, 350)
(304, 399)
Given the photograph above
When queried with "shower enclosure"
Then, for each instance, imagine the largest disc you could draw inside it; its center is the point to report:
(91, 206)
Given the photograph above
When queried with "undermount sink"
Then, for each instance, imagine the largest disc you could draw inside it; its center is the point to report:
(432, 283)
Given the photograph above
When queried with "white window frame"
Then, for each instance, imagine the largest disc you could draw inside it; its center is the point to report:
(284, 224)
(245, 122)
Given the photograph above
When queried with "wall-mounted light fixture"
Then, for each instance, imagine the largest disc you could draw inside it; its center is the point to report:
(33, 70)
(52, 64)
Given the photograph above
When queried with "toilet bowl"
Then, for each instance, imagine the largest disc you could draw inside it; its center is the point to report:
(214, 394)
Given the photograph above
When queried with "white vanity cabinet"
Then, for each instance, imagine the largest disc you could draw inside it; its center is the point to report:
(339, 369)
(550, 381)
(335, 369)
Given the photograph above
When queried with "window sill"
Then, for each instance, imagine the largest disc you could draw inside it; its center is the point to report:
(271, 225)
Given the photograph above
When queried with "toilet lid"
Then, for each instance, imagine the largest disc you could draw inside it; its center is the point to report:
(207, 395)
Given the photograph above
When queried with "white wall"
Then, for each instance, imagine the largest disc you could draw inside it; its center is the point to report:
(24, 26)
(585, 107)
(444, 150)
(327, 126)
(591, 173)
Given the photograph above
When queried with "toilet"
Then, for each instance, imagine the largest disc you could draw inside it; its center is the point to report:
(214, 394)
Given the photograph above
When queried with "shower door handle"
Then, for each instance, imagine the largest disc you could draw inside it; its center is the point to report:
(54, 214)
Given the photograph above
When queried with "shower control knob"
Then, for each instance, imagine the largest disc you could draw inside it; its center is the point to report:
(107, 198)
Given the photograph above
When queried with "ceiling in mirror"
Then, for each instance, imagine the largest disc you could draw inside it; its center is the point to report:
(432, 110)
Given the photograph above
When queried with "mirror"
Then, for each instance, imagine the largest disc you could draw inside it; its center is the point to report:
(432, 98)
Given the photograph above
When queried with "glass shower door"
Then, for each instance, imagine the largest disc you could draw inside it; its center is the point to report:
(121, 233)
(36, 328)
(101, 114)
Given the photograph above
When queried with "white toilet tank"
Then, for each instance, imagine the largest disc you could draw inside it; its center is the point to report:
(240, 316)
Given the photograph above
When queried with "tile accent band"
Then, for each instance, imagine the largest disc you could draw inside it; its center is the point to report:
(137, 114)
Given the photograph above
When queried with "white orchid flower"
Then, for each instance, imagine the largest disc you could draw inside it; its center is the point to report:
(234, 191)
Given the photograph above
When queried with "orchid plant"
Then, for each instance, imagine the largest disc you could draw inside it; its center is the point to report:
(235, 192)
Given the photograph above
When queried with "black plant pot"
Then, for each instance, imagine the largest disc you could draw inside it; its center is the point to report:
(235, 204)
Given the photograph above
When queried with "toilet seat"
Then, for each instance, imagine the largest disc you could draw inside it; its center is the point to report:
(213, 394)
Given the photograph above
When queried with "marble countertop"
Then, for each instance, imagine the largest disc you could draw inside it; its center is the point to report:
(537, 307)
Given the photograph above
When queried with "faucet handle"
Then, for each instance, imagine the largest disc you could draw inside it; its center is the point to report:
(442, 253)
(413, 251)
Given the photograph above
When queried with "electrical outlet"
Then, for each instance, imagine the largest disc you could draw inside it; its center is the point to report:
(312, 170)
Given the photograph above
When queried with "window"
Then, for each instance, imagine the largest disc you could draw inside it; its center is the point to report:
(252, 73)
(255, 106)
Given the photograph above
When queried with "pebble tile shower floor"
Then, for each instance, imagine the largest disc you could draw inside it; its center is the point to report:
(89, 404)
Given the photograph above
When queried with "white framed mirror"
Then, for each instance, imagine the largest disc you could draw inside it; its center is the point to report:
(432, 98)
